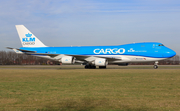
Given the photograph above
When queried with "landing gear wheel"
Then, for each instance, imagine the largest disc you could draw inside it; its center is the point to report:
(86, 67)
(155, 66)
(102, 67)
(93, 67)
(90, 67)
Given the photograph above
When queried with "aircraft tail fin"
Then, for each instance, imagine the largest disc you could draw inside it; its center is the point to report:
(27, 38)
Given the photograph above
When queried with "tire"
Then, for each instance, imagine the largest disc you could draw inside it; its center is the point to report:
(102, 67)
(90, 67)
(93, 67)
(155, 66)
(86, 67)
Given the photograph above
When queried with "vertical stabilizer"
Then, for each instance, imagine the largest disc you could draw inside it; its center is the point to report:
(27, 38)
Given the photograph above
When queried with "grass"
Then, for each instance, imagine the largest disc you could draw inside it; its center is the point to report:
(63, 89)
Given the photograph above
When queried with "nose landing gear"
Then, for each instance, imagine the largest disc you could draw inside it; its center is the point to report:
(155, 65)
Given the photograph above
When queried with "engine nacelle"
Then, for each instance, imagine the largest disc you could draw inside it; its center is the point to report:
(100, 62)
(68, 60)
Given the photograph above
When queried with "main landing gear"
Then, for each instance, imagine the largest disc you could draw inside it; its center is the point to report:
(102, 67)
(94, 67)
(155, 65)
(90, 67)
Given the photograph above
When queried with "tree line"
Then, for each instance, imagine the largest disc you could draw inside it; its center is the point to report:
(11, 58)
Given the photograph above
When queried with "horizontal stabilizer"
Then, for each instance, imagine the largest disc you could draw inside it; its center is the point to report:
(25, 51)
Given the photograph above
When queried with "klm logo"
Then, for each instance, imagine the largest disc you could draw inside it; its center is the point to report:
(131, 50)
(28, 35)
(28, 40)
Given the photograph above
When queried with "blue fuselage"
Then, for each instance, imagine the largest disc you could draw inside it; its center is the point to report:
(150, 49)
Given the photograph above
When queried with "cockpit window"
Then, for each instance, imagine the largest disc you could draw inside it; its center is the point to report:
(160, 45)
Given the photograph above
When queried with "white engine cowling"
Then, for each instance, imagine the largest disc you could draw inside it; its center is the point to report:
(68, 60)
(100, 62)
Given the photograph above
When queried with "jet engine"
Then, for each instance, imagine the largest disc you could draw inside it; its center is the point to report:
(100, 62)
(67, 60)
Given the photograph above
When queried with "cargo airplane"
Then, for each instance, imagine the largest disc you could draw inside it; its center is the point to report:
(92, 56)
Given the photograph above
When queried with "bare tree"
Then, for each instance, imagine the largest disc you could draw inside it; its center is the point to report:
(11, 58)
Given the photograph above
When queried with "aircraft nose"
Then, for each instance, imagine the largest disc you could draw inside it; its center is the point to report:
(170, 53)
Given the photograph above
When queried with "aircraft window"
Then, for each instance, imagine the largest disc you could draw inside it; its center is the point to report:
(160, 45)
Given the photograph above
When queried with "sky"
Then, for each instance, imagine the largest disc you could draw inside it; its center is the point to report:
(91, 22)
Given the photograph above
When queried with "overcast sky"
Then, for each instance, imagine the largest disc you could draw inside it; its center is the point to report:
(92, 22)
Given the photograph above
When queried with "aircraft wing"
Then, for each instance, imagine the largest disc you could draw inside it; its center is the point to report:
(91, 58)
(78, 57)
(59, 56)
